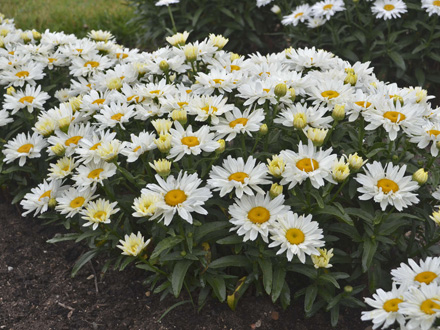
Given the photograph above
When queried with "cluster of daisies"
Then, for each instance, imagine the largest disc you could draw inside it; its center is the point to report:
(188, 104)
(414, 300)
(319, 13)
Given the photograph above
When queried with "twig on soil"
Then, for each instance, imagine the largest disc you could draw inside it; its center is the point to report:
(65, 306)
(95, 277)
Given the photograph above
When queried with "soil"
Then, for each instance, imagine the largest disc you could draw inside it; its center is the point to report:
(37, 292)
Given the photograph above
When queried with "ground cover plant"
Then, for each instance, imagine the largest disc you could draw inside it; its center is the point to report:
(297, 174)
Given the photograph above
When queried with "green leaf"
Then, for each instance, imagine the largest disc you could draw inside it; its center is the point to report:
(196, 16)
(230, 261)
(85, 258)
(126, 262)
(178, 275)
(19, 196)
(218, 286)
(209, 227)
(61, 238)
(266, 268)
(419, 48)
(165, 244)
(334, 315)
(306, 270)
(434, 56)
(369, 249)
(279, 276)
(398, 60)
(309, 299)
(329, 278)
(317, 195)
(332, 210)
(227, 12)
(285, 296)
(232, 239)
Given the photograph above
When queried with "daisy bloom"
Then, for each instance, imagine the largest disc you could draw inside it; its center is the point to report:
(387, 186)
(186, 142)
(62, 168)
(386, 308)
(327, 8)
(72, 200)
(206, 107)
(23, 146)
(308, 163)
(238, 175)
(426, 134)
(323, 259)
(431, 6)
(17, 76)
(276, 166)
(146, 204)
(4, 118)
(115, 114)
(31, 98)
(91, 174)
(388, 9)
(41, 197)
(421, 306)
(414, 274)
(296, 235)
(178, 39)
(166, 2)
(300, 14)
(300, 116)
(133, 245)
(180, 195)
(97, 212)
(331, 92)
(139, 144)
(253, 215)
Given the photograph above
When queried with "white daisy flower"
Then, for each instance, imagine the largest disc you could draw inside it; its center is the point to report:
(97, 212)
(304, 117)
(431, 6)
(414, 274)
(71, 139)
(426, 134)
(308, 163)
(17, 76)
(146, 204)
(72, 200)
(387, 186)
(139, 145)
(115, 114)
(4, 118)
(91, 174)
(327, 8)
(219, 80)
(206, 107)
(89, 65)
(39, 198)
(299, 14)
(253, 215)
(388, 9)
(331, 92)
(308, 58)
(31, 98)
(166, 2)
(421, 306)
(23, 146)
(386, 308)
(62, 168)
(237, 122)
(238, 175)
(186, 142)
(314, 22)
(180, 195)
(133, 245)
(296, 235)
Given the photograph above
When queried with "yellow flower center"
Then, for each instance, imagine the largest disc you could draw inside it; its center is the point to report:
(79, 50)
(28, 99)
(238, 121)
(307, 165)
(66, 168)
(394, 116)
(77, 202)
(95, 173)
(436, 3)
(190, 141)
(218, 81)
(267, 90)
(95, 146)
(136, 149)
(327, 7)
(93, 64)
(238, 176)
(181, 104)
(51, 59)
(428, 305)
(295, 236)
(98, 101)
(330, 94)
(388, 7)
(73, 139)
(392, 305)
(259, 215)
(133, 248)
(22, 74)
(387, 185)
(25, 148)
(425, 277)
(235, 67)
(175, 197)
(46, 194)
(433, 131)
(117, 117)
(298, 15)
(121, 55)
(100, 216)
(208, 107)
(156, 91)
(364, 104)
(136, 98)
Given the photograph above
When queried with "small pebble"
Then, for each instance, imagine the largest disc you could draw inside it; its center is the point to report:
(10, 269)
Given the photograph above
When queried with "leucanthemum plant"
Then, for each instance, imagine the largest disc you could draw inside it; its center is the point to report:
(216, 172)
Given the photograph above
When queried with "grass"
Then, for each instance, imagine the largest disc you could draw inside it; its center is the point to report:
(73, 16)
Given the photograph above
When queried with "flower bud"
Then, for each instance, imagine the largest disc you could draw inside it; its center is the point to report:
(355, 162)
(436, 217)
(190, 53)
(52, 203)
(234, 57)
(300, 120)
(421, 176)
(162, 126)
(280, 90)
(180, 116)
(338, 112)
(317, 135)
(322, 260)
(36, 35)
(58, 149)
(348, 289)
(25, 37)
(263, 129)
(218, 41)
(292, 92)
(162, 167)
(276, 166)
(351, 79)
(114, 83)
(164, 66)
(222, 146)
(275, 190)
(10, 90)
(179, 39)
(276, 10)
(163, 143)
(340, 170)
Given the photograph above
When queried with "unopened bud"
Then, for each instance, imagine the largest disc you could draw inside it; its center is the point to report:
(338, 112)
(292, 92)
(351, 79)
(300, 120)
(317, 135)
(348, 289)
(163, 143)
(10, 90)
(190, 53)
(164, 66)
(276, 10)
(280, 90)
(275, 190)
(234, 57)
(52, 203)
(340, 170)
(222, 146)
(162, 167)
(180, 116)
(58, 149)
(263, 129)
(36, 35)
(218, 41)
(420, 176)
(436, 217)
(276, 166)
(355, 162)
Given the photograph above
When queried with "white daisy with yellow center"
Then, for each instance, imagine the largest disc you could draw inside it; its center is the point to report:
(387, 186)
(72, 200)
(308, 163)
(41, 197)
(296, 235)
(388, 9)
(235, 174)
(31, 98)
(139, 144)
(386, 308)
(89, 175)
(299, 14)
(331, 92)
(71, 139)
(22, 147)
(209, 107)
(431, 6)
(426, 134)
(301, 116)
(146, 204)
(186, 142)
(427, 271)
(62, 168)
(98, 212)
(253, 215)
(180, 195)
(115, 114)
(133, 245)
